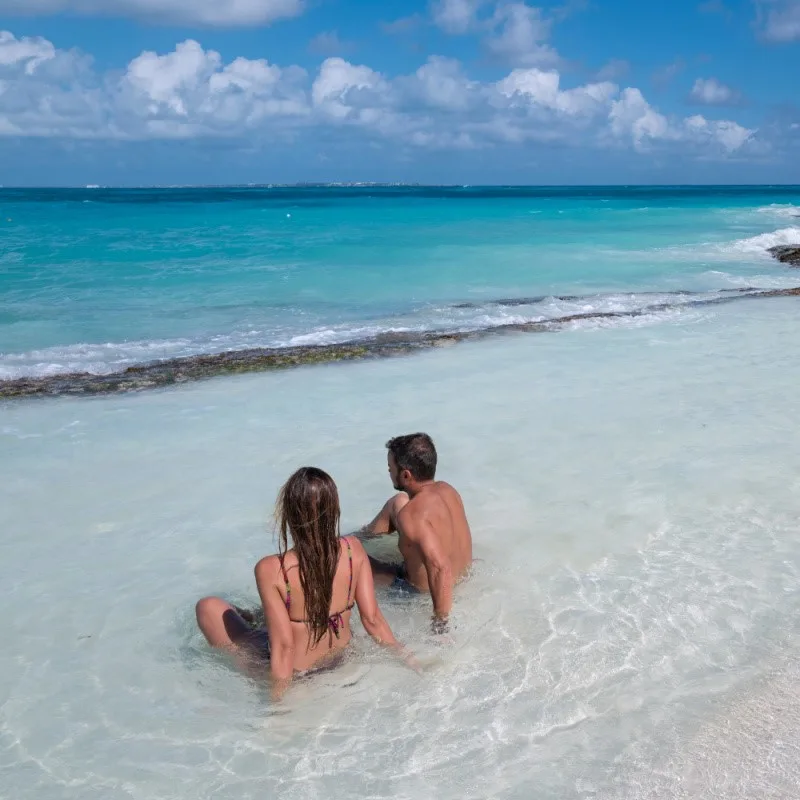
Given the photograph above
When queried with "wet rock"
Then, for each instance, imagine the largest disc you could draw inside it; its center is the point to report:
(193, 368)
(787, 254)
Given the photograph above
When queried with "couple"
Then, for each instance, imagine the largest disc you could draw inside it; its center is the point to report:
(309, 591)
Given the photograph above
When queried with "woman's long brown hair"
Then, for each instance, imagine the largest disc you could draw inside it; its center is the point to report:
(308, 509)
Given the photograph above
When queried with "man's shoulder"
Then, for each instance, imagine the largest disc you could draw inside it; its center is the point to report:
(413, 510)
(447, 492)
(418, 503)
(426, 502)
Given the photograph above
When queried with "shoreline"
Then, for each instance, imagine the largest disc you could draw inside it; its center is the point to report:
(186, 369)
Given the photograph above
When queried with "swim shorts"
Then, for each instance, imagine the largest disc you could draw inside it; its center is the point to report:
(401, 584)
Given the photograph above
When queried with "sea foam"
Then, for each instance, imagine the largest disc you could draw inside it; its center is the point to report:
(486, 315)
(759, 245)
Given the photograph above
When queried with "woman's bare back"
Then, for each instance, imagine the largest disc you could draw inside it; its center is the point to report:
(338, 635)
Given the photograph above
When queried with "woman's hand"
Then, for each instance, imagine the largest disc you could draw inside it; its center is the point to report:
(278, 687)
(410, 660)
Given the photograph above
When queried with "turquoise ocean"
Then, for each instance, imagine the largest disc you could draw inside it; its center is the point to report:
(97, 280)
(633, 484)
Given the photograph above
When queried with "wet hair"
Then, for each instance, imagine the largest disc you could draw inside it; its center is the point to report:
(308, 509)
(415, 452)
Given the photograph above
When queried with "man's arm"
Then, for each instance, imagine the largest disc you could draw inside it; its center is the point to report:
(437, 566)
(386, 520)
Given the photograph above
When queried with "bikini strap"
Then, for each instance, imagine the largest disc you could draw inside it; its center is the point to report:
(286, 581)
(350, 585)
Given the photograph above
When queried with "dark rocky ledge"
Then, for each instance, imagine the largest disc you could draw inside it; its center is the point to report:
(787, 254)
(192, 368)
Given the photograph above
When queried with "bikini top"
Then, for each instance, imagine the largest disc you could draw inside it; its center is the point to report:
(335, 621)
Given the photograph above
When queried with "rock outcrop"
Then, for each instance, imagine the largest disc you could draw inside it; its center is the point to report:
(193, 368)
(787, 254)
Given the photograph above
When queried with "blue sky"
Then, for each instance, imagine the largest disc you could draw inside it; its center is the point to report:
(139, 92)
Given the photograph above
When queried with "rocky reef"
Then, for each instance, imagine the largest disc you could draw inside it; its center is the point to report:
(192, 368)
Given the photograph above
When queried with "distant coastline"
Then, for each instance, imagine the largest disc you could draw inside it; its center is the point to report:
(404, 185)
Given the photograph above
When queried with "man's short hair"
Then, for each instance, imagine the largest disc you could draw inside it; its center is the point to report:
(416, 453)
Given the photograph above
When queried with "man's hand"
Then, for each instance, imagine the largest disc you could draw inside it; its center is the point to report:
(440, 625)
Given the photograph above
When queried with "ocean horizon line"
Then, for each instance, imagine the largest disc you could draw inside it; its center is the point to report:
(392, 184)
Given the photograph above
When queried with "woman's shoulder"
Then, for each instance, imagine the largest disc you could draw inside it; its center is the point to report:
(268, 568)
(355, 546)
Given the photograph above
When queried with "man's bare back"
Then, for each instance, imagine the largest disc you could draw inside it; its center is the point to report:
(438, 511)
(435, 540)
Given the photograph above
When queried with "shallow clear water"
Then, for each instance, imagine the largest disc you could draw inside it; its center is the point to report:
(631, 628)
(630, 631)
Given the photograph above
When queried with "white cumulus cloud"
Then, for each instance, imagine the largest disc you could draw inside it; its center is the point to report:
(730, 135)
(520, 36)
(218, 13)
(779, 20)
(192, 92)
(441, 83)
(537, 87)
(512, 31)
(28, 52)
(342, 89)
(710, 92)
(45, 92)
(456, 16)
(632, 117)
(186, 93)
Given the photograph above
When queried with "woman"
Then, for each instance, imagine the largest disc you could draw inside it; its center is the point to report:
(308, 592)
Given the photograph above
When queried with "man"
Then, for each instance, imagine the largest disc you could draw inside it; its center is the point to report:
(434, 536)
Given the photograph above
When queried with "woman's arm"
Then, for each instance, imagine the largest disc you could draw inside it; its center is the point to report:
(281, 638)
(371, 617)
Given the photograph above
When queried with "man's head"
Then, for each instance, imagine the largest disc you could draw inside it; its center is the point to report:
(412, 460)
